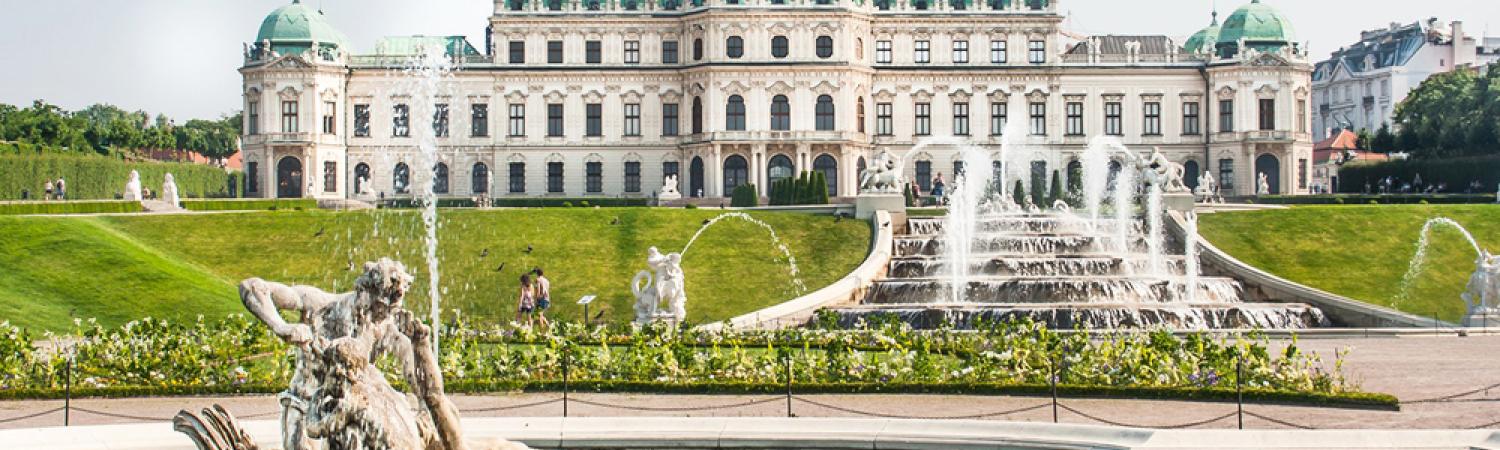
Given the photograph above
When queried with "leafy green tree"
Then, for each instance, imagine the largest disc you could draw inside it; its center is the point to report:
(1384, 141)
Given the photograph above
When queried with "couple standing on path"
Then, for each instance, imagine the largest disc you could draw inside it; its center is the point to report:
(536, 297)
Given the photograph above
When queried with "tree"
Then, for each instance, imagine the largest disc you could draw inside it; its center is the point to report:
(1362, 139)
(1384, 141)
(1019, 193)
(1056, 192)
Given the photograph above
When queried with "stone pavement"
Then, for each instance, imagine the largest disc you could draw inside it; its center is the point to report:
(1415, 369)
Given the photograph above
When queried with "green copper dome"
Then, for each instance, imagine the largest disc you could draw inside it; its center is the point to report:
(296, 27)
(1259, 25)
(1205, 38)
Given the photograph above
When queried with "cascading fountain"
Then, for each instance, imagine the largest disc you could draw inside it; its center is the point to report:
(426, 76)
(1190, 257)
(1482, 294)
(798, 287)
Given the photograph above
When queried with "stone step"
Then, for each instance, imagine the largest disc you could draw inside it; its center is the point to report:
(1065, 316)
(1052, 289)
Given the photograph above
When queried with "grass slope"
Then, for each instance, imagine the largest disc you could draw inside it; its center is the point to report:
(1362, 252)
(186, 264)
(54, 269)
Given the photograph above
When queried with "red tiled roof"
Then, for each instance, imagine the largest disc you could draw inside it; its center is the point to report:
(1344, 140)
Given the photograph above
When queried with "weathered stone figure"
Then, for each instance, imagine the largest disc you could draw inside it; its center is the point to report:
(133, 187)
(1167, 174)
(169, 191)
(883, 176)
(668, 285)
(1482, 295)
(1263, 185)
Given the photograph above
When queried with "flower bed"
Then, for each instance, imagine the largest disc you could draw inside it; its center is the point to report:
(154, 357)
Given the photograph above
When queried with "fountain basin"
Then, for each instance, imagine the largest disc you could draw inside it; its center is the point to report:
(1017, 265)
(1005, 243)
(1031, 223)
(1052, 289)
(1064, 316)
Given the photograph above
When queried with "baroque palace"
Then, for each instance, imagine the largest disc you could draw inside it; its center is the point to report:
(607, 98)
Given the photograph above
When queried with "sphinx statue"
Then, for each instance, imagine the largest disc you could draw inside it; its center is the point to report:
(338, 398)
(133, 187)
(169, 191)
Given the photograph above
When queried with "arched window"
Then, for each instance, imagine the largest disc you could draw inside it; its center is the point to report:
(401, 179)
(781, 114)
(361, 176)
(440, 178)
(698, 49)
(1190, 174)
(825, 46)
(736, 173)
(734, 47)
(829, 167)
(480, 178)
(779, 168)
(825, 113)
(734, 114)
(697, 115)
(859, 114)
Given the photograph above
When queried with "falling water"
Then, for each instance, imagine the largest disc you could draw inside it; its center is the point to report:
(1123, 193)
(1190, 257)
(1420, 258)
(791, 261)
(1095, 162)
(1154, 236)
(427, 75)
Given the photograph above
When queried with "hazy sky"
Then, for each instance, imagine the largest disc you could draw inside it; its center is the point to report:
(179, 56)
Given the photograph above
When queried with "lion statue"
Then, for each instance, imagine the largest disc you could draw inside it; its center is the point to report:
(884, 176)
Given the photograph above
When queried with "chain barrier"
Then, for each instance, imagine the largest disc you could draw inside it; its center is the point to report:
(1279, 422)
(511, 407)
(1448, 398)
(122, 416)
(1131, 425)
(31, 416)
(898, 416)
(678, 409)
(1488, 425)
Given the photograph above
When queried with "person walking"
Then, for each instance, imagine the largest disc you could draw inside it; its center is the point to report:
(543, 297)
(62, 189)
(939, 187)
(527, 302)
(47, 190)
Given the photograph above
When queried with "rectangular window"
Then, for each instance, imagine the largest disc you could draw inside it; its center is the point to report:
(593, 52)
(517, 178)
(518, 52)
(999, 117)
(961, 52)
(1152, 125)
(440, 120)
(330, 176)
(289, 117)
(1038, 119)
(1037, 51)
(1190, 119)
(632, 176)
(1267, 114)
(252, 177)
(1226, 116)
(594, 112)
(1113, 125)
(1075, 118)
(554, 120)
(1226, 174)
(1302, 174)
(555, 177)
(517, 119)
(554, 52)
(1302, 116)
(632, 119)
(594, 177)
(924, 175)
(960, 119)
(479, 120)
(923, 53)
(883, 52)
(252, 110)
(669, 119)
(669, 52)
(361, 120)
(884, 123)
(401, 121)
(330, 122)
(924, 119)
(998, 52)
(632, 52)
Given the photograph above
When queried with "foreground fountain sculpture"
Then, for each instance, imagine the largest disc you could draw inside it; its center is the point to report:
(668, 285)
(1482, 295)
(133, 187)
(338, 399)
(880, 187)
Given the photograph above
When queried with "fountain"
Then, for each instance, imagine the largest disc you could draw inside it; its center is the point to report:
(1482, 294)
(426, 76)
(798, 286)
(169, 192)
(991, 260)
(133, 187)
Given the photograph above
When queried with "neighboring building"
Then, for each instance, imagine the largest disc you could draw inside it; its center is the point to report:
(1360, 86)
(1332, 153)
(596, 98)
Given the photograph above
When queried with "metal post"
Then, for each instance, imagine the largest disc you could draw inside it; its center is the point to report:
(789, 387)
(585, 316)
(1239, 389)
(565, 382)
(68, 391)
(1053, 381)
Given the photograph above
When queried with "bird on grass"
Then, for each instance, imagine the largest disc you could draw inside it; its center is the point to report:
(707, 221)
(615, 221)
(501, 268)
(528, 249)
(320, 232)
(484, 253)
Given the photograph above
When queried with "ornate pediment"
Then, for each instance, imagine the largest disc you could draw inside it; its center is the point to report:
(922, 96)
(555, 97)
(631, 96)
(516, 96)
(671, 96)
(1225, 93)
(826, 88)
(555, 158)
(1266, 91)
(1269, 60)
(999, 95)
(780, 88)
(884, 96)
(735, 88)
(289, 93)
(1037, 95)
(959, 96)
(516, 158)
(290, 62)
(593, 97)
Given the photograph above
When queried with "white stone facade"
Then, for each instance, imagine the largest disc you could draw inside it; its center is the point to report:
(835, 51)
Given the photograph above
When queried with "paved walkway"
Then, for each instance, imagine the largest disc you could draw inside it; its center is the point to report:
(1412, 368)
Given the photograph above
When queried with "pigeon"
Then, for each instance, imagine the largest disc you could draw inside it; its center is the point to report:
(615, 221)
(320, 232)
(528, 249)
(598, 316)
(707, 221)
(484, 253)
(501, 268)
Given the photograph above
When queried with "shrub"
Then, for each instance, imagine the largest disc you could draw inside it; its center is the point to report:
(567, 204)
(1456, 172)
(1019, 193)
(583, 204)
(250, 204)
(744, 196)
(1056, 191)
(691, 206)
(808, 188)
(100, 177)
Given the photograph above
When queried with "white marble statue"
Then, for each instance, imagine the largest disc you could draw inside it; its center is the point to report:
(1208, 188)
(883, 176)
(337, 397)
(1263, 185)
(169, 191)
(1166, 174)
(667, 285)
(1482, 295)
(669, 189)
(364, 186)
(133, 187)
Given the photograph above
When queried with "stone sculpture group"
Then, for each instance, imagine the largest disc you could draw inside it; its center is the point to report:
(1482, 295)
(665, 284)
(882, 177)
(338, 399)
(1163, 173)
(669, 190)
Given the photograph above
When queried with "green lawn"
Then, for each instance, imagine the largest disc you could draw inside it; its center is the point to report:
(1362, 252)
(122, 268)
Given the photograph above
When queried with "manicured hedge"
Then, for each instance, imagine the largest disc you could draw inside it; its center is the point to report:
(38, 207)
(1456, 172)
(251, 205)
(1362, 199)
(100, 177)
(542, 202)
(745, 196)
